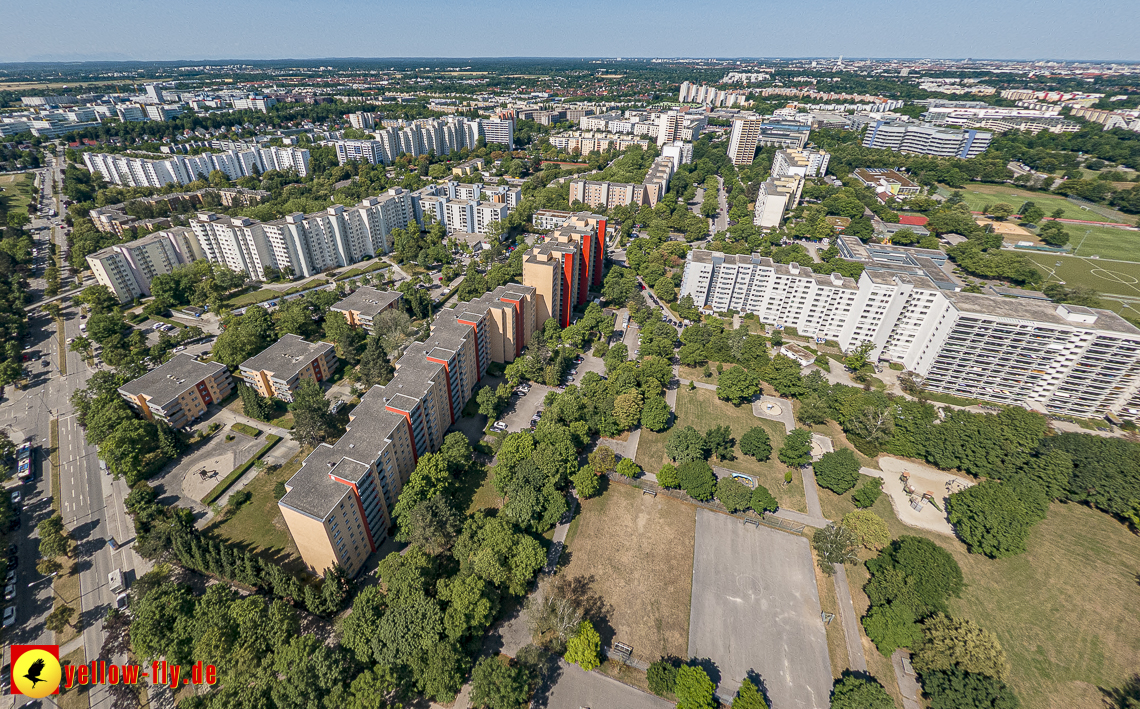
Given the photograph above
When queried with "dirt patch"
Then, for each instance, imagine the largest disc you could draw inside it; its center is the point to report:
(639, 550)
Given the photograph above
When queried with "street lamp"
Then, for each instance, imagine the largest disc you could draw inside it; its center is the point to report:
(52, 587)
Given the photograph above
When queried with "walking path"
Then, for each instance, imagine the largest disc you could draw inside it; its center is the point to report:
(908, 683)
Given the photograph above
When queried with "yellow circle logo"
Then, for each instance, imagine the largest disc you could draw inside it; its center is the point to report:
(36, 673)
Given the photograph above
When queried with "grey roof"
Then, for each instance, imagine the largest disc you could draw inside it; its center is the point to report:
(368, 301)
(312, 491)
(286, 357)
(780, 269)
(1044, 312)
(166, 383)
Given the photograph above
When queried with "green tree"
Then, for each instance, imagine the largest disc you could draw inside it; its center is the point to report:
(796, 450)
(1000, 210)
(762, 501)
(496, 683)
(693, 689)
(59, 619)
(697, 479)
(655, 413)
(756, 443)
(834, 545)
(719, 442)
(375, 367)
(586, 483)
(662, 676)
(310, 413)
(857, 361)
(738, 385)
(628, 468)
(349, 340)
(244, 336)
(667, 477)
(602, 460)
(665, 289)
(855, 693)
(955, 689)
(686, 445)
(583, 649)
(1031, 213)
(54, 538)
(868, 493)
(891, 627)
(991, 518)
(749, 697)
(950, 643)
(869, 529)
(734, 495)
(253, 404)
(837, 471)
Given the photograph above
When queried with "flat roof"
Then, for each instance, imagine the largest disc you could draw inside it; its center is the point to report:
(367, 300)
(1041, 311)
(286, 357)
(167, 382)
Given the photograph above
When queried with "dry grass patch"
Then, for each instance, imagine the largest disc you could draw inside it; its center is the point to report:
(639, 551)
(828, 603)
(76, 697)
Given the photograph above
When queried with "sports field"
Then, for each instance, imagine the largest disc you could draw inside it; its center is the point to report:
(1106, 242)
(979, 196)
(17, 189)
(1104, 276)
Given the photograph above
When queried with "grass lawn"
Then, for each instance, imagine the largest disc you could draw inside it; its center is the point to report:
(246, 429)
(638, 549)
(1108, 277)
(979, 196)
(1103, 241)
(66, 584)
(1064, 636)
(258, 524)
(252, 298)
(18, 189)
(702, 410)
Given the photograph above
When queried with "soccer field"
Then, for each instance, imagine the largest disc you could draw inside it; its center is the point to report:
(1106, 242)
(1108, 277)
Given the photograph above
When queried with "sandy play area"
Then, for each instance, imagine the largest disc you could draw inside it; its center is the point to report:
(923, 479)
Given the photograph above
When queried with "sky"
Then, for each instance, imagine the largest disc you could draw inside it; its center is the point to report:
(79, 30)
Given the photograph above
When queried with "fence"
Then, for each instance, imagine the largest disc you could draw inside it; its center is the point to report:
(768, 520)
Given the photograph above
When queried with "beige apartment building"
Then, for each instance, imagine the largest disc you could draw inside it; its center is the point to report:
(179, 391)
(364, 305)
(279, 369)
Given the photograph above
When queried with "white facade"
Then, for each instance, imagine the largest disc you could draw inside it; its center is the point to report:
(905, 137)
(127, 269)
(776, 196)
(1063, 359)
(183, 169)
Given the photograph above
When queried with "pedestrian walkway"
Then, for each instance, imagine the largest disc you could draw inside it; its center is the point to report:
(856, 660)
(908, 683)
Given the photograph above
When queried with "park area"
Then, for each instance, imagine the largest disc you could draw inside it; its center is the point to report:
(1066, 612)
(702, 410)
(981, 196)
(638, 551)
(17, 190)
(257, 524)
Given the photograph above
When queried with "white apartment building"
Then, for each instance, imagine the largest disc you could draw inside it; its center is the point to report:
(776, 196)
(743, 140)
(804, 163)
(680, 151)
(906, 137)
(183, 169)
(1060, 359)
(442, 136)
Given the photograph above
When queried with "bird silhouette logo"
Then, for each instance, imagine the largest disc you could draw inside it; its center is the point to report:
(36, 672)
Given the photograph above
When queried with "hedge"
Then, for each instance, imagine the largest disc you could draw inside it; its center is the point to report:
(246, 429)
(227, 482)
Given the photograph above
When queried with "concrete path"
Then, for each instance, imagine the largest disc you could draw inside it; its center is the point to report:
(775, 409)
(801, 518)
(811, 492)
(908, 684)
(855, 658)
(700, 385)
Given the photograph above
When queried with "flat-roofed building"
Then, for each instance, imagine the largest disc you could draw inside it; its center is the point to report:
(552, 269)
(178, 391)
(887, 182)
(362, 307)
(776, 196)
(906, 137)
(279, 369)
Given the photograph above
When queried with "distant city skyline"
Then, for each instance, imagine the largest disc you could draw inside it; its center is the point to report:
(67, 30)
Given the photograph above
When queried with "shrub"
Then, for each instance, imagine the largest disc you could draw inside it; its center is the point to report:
(869, 493)
(868, 528)
(628, 468)
(662, 676)
(762, 500)
(583, 649)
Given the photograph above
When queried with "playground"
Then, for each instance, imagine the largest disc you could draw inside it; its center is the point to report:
(918, 492)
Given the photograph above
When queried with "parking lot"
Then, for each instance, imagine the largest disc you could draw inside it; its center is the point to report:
(755, 609)
(523, 407)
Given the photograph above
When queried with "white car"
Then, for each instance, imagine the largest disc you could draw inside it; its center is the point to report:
(499, 426)
(16, 497)
(121, 601)
(9, 616)
(9, 592)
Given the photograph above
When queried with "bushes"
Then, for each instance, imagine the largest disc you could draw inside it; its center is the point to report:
(955, 689)
(837, 471)
(856, 693)
(662, 676)
(955, 643)
(734, 495)
(757, 444)
(667, 477)
(992, 518)
(228, 481)
(697, 479)
(891, 627)
(868, 528)
(586, 483)
(628, 468)
(868, 494)
(584, 648)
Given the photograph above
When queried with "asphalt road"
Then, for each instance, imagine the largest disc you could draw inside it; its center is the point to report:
(575, 689)
(755, 612)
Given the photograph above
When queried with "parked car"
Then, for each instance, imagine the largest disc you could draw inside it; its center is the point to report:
(17, 497)
(499, 426)
(121, 601)
(9, 616)
(9, 592)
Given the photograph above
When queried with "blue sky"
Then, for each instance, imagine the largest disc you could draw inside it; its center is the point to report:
(51, 30)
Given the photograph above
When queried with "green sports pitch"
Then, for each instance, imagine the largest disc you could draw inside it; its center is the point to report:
(1108, 277)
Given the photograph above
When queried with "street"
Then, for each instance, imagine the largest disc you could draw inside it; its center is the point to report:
(91, 503)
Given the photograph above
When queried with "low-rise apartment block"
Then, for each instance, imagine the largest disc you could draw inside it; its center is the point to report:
(178, 391)
(338, 505)
(608, 195)
(585, 142)
(1061, 359)
(887, 182)
(279, 369)
(365, 304)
